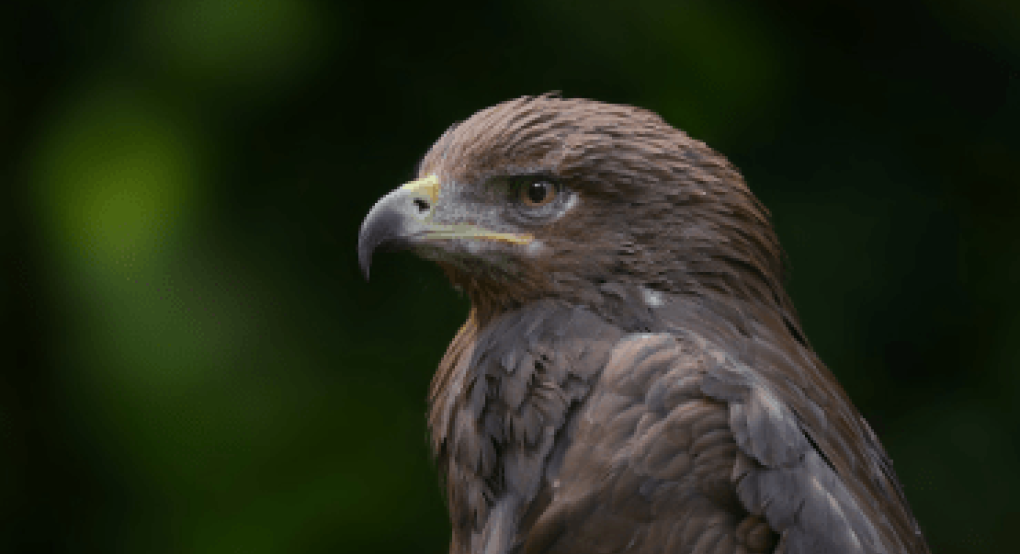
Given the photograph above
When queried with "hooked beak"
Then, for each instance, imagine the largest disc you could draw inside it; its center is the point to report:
(403, 219)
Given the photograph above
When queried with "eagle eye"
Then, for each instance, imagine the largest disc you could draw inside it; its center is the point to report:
(536, 193)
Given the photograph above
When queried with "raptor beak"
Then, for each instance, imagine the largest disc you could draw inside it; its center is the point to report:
(404, 219)
(397, 219)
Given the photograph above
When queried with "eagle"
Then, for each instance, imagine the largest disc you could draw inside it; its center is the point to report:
(632, 375)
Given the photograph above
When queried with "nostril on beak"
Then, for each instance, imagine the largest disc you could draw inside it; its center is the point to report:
(422, 205)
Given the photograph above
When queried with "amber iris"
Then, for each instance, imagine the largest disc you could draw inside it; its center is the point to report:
(537, 193)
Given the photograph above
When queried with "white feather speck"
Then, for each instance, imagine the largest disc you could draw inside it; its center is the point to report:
(534, 248)
(653, 298)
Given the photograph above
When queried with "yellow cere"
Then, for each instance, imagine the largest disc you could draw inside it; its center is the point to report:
(508, 237)
(427, 185)
(463, 231)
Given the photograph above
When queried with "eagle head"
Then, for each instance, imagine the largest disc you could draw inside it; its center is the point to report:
(544, 196)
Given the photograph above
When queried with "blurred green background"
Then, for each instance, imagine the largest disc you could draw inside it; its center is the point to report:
(192, 363)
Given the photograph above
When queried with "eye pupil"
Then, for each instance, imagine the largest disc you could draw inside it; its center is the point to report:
(538, 193)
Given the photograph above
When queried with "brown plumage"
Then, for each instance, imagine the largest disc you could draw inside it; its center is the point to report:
(632, 376)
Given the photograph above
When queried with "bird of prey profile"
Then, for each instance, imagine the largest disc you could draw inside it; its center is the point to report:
(632, 376)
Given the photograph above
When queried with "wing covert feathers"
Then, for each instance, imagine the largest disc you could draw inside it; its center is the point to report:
(558, 433)
(719, 464)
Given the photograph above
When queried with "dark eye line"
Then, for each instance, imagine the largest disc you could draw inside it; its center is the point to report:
(519, 185)
(521, 178)
(514, 181)
(533, 191)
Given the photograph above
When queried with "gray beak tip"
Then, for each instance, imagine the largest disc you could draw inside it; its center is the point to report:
(366, 247)
(383, 228)
(365, 262)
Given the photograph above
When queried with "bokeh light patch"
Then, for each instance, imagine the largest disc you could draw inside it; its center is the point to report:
(244, 47)
(116, 175)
